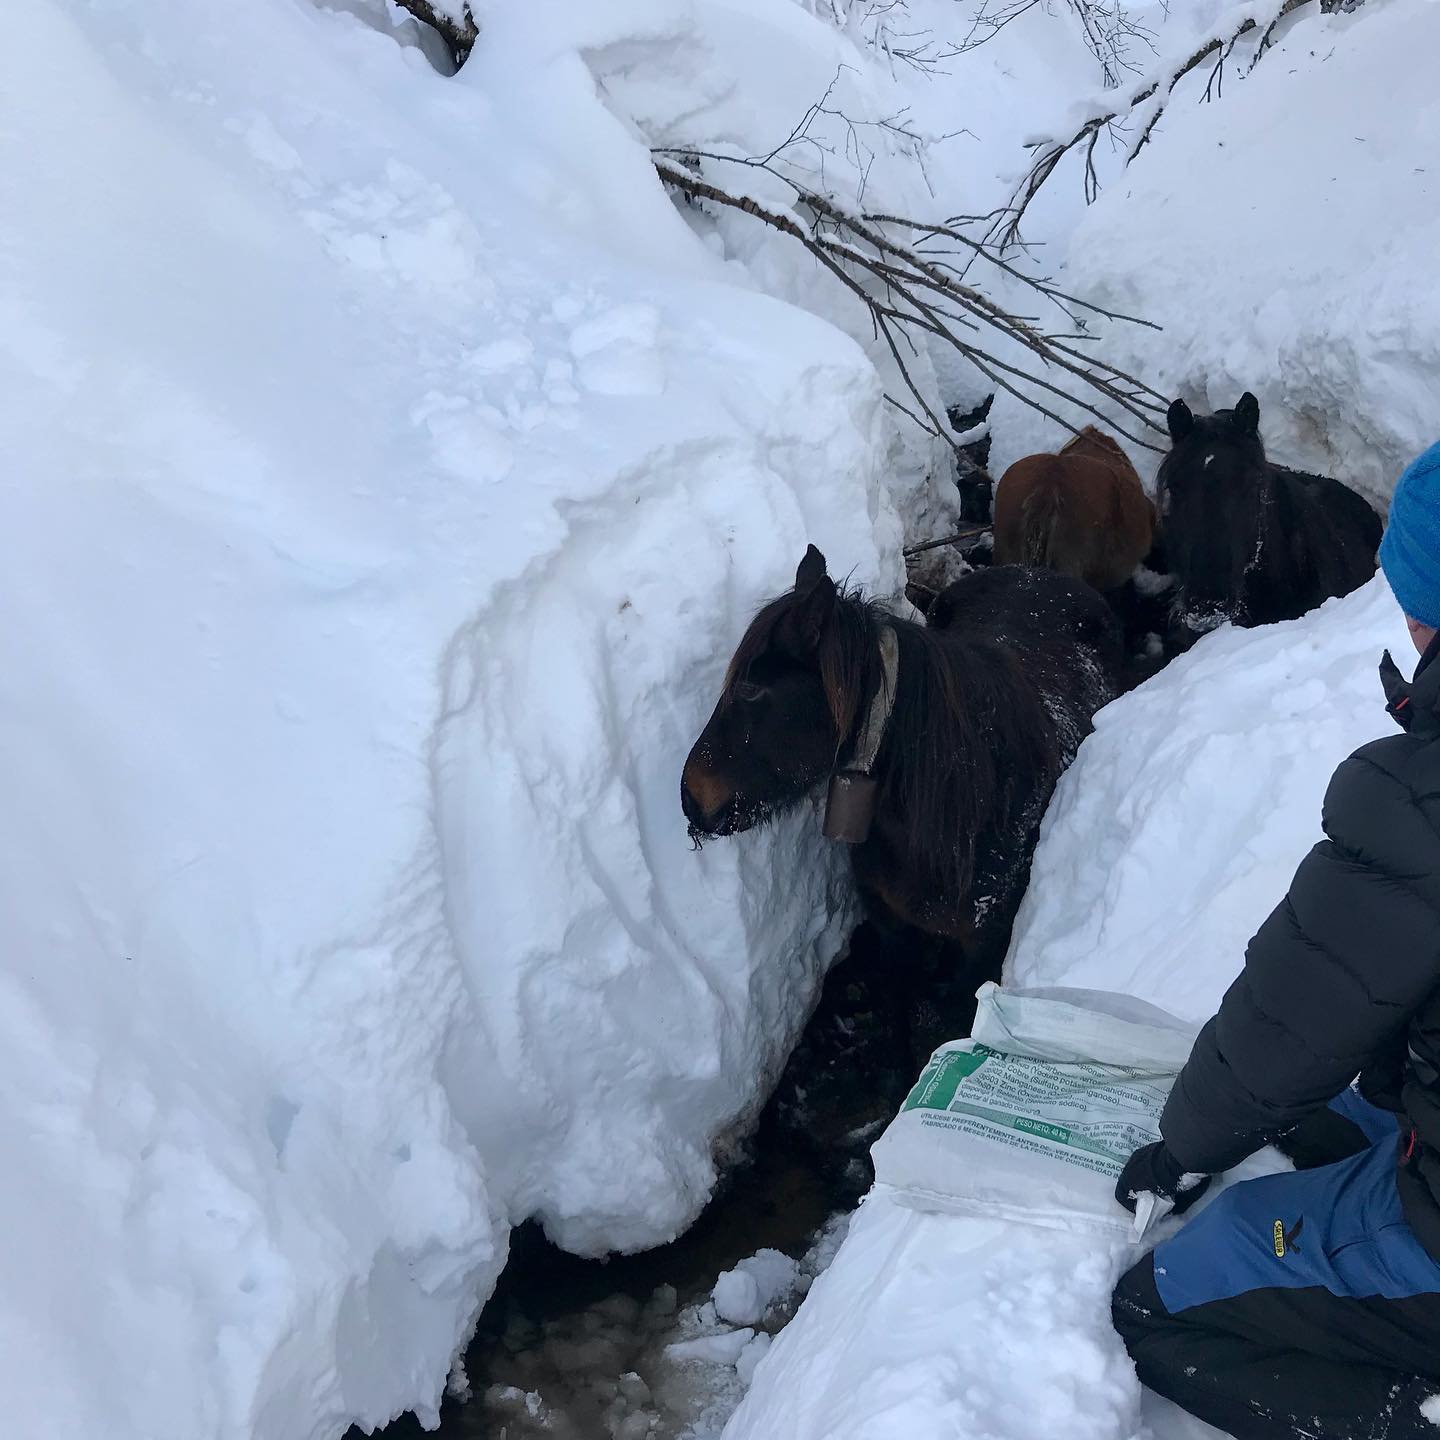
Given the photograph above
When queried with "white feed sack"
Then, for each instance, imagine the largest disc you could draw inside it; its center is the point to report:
(1033, 1117)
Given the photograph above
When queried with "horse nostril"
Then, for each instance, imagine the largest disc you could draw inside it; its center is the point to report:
(703, 798)
(693, 813)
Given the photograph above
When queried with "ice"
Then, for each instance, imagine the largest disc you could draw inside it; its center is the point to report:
(751, 1356)
(721, 1347)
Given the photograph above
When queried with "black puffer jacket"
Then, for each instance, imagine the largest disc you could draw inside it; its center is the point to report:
(1343, 979)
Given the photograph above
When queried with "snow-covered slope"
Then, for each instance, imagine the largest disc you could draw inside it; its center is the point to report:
(1284, 236)
(388, 473)
(1179, 828)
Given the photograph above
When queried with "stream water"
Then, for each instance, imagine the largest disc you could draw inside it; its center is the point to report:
(577, 1349)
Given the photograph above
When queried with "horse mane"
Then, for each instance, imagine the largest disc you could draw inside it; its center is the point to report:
(1090, 437)
(967, 735)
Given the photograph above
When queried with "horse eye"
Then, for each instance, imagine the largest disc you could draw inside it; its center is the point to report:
(748, 691)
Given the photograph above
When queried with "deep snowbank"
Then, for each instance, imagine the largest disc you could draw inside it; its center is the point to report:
(1171, 837)
(1284, 237)
(388, 475)
(1194, 800)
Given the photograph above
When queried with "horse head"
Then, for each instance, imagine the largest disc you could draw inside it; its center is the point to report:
(1214, 449)
(1212, 490)
(788, 703)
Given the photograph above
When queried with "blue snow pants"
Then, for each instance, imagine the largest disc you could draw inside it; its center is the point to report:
(1298, 1304)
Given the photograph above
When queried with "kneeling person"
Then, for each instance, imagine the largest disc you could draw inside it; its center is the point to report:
(1308, 1303)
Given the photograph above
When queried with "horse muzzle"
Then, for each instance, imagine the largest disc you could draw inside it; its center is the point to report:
(729, 815)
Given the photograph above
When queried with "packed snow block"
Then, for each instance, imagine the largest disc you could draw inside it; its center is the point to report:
(1033, 1117)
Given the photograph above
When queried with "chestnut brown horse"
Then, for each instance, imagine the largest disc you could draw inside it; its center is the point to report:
(955, 732)
(1081, 512)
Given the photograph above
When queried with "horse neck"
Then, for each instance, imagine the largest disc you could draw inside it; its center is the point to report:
(944, 769)
(851, 668)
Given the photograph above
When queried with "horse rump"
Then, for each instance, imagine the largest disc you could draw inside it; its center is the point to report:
(1062, 626)
(1029, 506)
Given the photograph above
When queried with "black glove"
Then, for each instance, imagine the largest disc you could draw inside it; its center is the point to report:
(1154, 1168)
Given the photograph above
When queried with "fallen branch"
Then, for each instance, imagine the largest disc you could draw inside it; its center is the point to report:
(912, 293)
(1049, 153)
(459, 35)
(948, 540)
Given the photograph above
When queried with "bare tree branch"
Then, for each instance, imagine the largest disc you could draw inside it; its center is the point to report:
(968, 533)
(909, 293)
(1049, 153)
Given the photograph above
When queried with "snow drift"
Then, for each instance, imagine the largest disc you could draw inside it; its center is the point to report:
(388, 473)
(1283, 236)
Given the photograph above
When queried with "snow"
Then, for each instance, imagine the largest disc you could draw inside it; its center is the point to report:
(929, 1326)
(744, 1295)
(390, 469)
(1143, 883)
(1283, 236)
(390, 472)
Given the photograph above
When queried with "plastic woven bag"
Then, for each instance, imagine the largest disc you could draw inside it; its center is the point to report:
(1033, 1117)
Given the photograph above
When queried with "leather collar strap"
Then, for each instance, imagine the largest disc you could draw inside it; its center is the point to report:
(877, 718)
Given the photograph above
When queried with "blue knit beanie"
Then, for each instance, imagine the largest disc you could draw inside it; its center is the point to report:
(1410, 551)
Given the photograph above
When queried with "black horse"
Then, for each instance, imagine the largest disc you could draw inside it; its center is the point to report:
(1251, 541)
(987, 705)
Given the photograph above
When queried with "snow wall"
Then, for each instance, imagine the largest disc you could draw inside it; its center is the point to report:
(1283, 235)
(389, 470)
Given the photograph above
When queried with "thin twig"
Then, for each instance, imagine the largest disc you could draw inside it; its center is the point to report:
(1049, 153)
(919, 292)
(947, 540)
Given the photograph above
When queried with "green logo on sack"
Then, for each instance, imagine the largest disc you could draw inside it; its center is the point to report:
(941, 1078)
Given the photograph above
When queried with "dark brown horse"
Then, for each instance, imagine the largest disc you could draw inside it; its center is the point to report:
(1251, 541)
(959, 728)
(1082, 512)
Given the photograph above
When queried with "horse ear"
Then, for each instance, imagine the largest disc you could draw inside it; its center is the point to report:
(814, 600)
(1180, 420)
(1247, 414)
(810, 571)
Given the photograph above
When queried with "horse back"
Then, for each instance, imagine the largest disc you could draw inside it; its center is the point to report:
(1333, 533)
(1048, 621)
(1082, 512)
